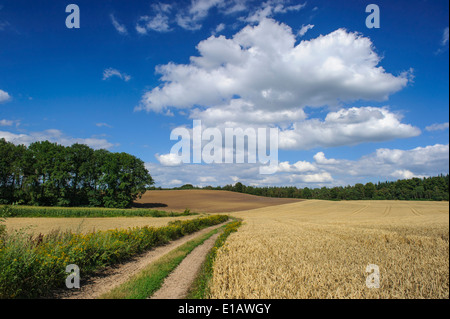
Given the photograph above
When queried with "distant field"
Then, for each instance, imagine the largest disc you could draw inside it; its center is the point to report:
(206, 201)
(198, 201)
(289, 248)
(320, 249)
(85, 225)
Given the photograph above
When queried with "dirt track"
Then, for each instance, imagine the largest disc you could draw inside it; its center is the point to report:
(206, 201)
(115, 276)
(177, 284)
(85, 225)
(200, 201)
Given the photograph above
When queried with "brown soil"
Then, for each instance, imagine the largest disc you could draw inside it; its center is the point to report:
(200, 201)
(206, 201)
(177, 284)
(115, 276)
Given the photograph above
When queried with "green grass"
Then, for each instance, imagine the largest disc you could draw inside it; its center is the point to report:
(83, 212)
(32, 267)
(149, 280)
(200, 287)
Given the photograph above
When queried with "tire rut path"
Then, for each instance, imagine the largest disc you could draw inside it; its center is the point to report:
(177, 284)
(114, 276)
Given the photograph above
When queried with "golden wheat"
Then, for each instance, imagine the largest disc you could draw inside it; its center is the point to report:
(46, 225)
(320, 249)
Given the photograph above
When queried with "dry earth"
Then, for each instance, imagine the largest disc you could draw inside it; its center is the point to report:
(115, 276)
(206, 201)
(46, 225)
(177, 284)
(200, 201)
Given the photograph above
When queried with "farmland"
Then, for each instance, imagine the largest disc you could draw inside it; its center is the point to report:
(198, 201)
(289, 248)
(206, 201)
(320, 249)
(86, 225)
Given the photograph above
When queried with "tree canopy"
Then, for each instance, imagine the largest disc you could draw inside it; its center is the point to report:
(49, 174)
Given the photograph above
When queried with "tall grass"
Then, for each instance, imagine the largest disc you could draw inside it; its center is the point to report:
(149, 280)
(31, 266)
(37, 211)
(2, 227)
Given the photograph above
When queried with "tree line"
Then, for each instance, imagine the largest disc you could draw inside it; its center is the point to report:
(429, 188)
(49, 174)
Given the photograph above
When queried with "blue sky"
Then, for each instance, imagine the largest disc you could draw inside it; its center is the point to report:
(353, 104)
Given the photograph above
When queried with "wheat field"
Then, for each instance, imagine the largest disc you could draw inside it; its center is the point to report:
(320, 249)
(47, 225)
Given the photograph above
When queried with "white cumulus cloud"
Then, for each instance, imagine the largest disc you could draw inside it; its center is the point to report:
(347, 127)
(262, 65)
(324, 177)
(385, 164)
(54, 136)
(403, 174)
(169, 159)
(321, 159)
(298, 167)
(4, 96)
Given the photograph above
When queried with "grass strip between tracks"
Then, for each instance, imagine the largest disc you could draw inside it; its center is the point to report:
(200, 286)
(150, 279)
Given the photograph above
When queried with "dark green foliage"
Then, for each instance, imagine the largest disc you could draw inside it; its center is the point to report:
(429, 188)
(187, 186)
(48, 174)
(83, 212)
